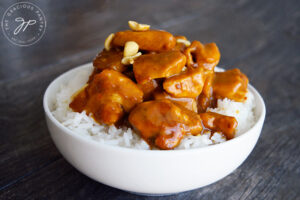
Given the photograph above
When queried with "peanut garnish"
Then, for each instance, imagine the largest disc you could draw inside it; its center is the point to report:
(107, 42)
(138, 27)
(131, 48)
(185, 42)
(129, 60)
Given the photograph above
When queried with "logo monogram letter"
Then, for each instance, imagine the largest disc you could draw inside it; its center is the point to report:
(23, 25)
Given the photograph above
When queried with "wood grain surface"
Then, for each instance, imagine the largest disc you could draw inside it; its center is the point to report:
(262, 38)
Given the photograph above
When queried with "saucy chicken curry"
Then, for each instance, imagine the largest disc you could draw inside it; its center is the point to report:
(161, 85)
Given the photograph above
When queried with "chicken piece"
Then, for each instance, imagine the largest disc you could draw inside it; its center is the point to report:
(231, 84)
(110, 80)
(148, 88)
(109, 60)
(218, 122)
(107, 96)
(105, 107)
(187, 84)
(160, 65)
(179, 45)
(205, 99)
(163, 123)
(151, 40)
(204, 56)
(188, 103)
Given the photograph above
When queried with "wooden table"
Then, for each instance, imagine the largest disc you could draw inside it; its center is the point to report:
(262, 38)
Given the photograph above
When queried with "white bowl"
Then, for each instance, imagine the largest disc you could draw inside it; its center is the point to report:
(146, 171)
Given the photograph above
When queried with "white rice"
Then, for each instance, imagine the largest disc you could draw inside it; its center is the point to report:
(82, 124)
(243, 112)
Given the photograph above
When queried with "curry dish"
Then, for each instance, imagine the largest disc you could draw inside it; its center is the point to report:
(161, 85)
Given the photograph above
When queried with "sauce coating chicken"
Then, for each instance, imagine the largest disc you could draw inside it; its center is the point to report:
(180, 46)
(188, 103)
(187, 84)
(107, 97)
(205, 56)
(152, 40)
(164, 90)
(205, 99)
(158, 65)
(231, 84)
(218, 122)
(148, 88)
(163, 123)
(109, 60)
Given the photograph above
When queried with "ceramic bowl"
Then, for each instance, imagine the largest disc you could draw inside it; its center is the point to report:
(151, 172)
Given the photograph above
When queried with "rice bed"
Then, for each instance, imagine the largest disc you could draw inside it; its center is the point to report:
(82, 124)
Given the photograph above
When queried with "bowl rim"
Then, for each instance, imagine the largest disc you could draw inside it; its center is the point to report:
(89, 141)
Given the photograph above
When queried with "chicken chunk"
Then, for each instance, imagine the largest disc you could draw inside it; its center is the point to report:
(204, 56)
(163, 123)
(218, 122)
(188, 84)
(148, 88)
(158, 65)
(179, 45)
(107, 95)
(205, 99)
(188, 103)
(105, 107)
(231, 84)
(113, 81)
(109, 60)
(151, 40)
